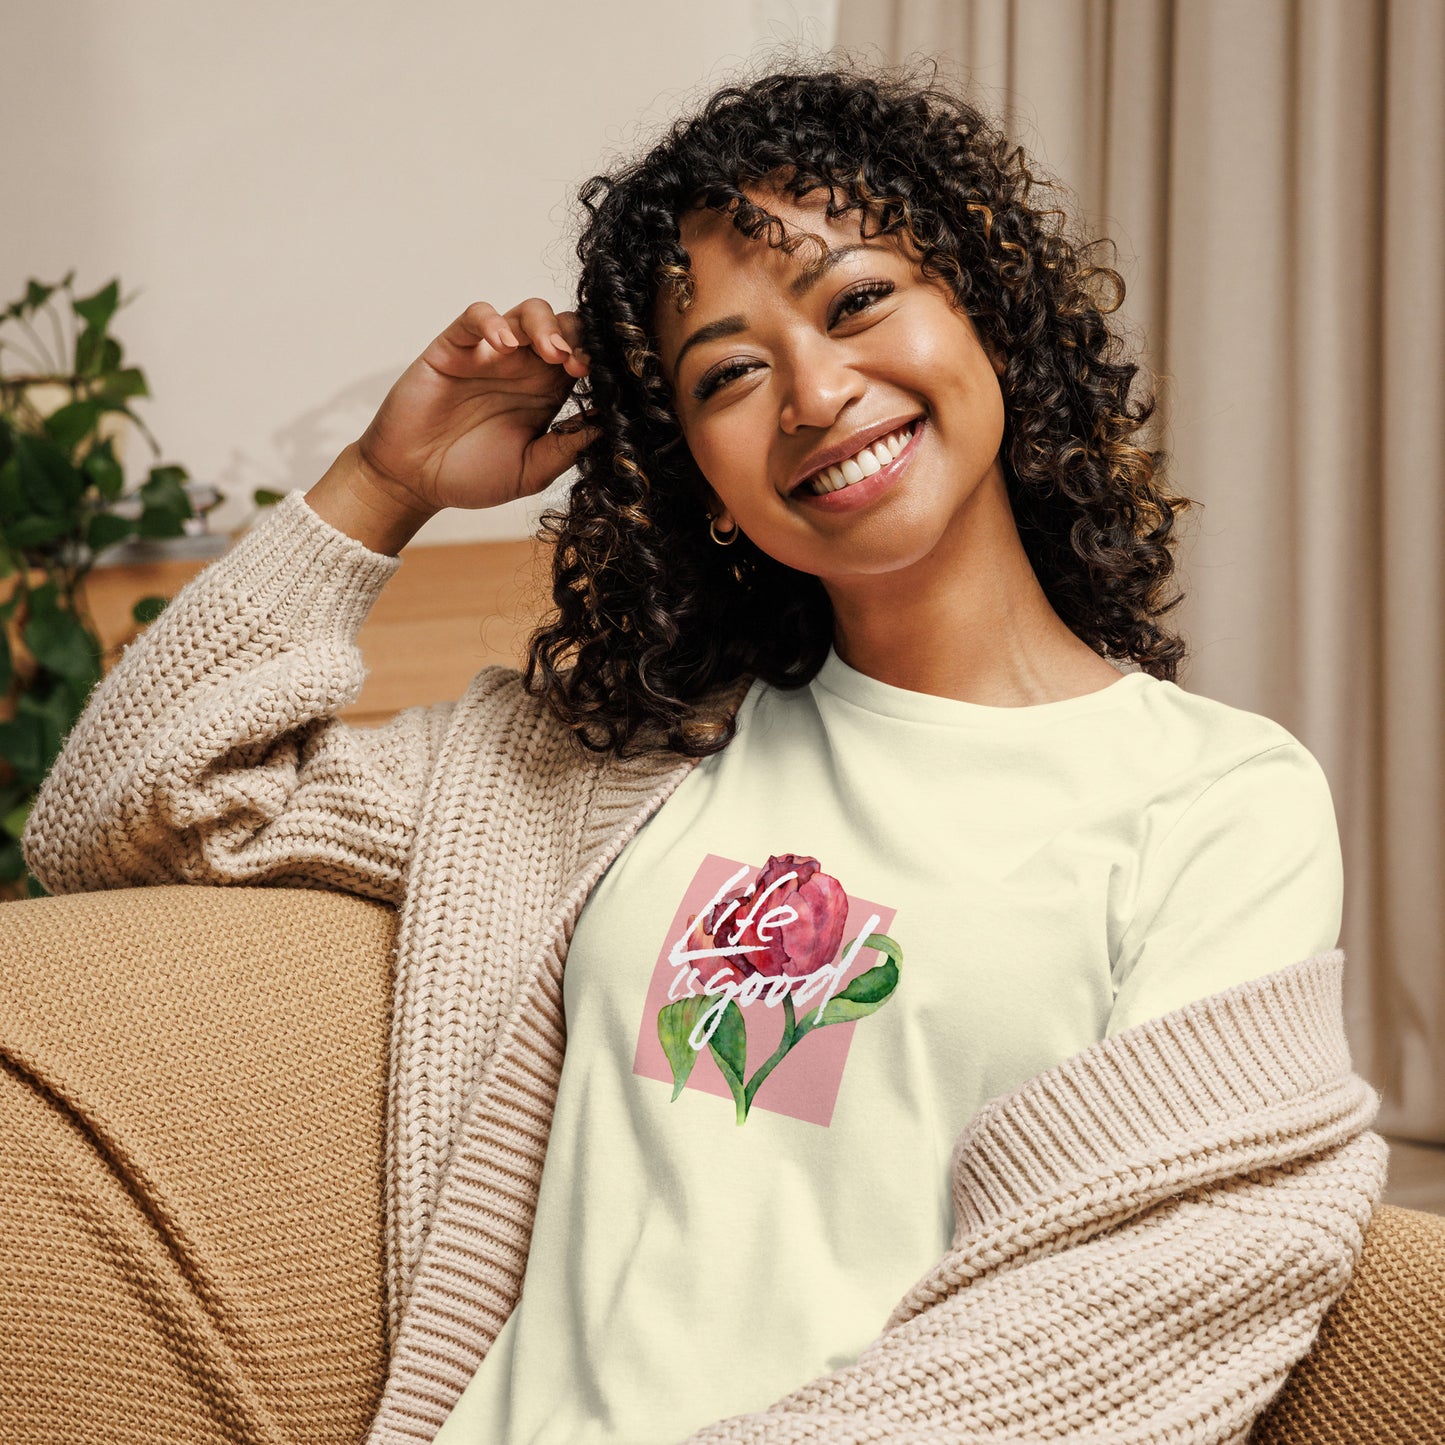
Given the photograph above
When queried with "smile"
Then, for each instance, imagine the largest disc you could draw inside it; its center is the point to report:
(855, 481)
(872, 458)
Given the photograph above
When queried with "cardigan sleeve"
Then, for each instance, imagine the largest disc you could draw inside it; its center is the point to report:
(1248, 879)
(1149, 1237)
(210, 752)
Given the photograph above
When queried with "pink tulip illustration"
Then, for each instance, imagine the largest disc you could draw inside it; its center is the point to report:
(789, 919)
(785, 925)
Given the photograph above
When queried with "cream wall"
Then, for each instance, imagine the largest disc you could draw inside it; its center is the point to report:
(301, 195)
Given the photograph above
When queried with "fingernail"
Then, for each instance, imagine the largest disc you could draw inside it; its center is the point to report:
(559, 343)
(507, 337)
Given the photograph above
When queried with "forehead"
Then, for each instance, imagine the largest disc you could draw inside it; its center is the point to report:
(726, 266)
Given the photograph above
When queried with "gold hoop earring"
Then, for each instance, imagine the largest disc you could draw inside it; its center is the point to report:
(724, 541)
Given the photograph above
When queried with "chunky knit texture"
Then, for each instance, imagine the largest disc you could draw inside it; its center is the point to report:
(1148, 1234)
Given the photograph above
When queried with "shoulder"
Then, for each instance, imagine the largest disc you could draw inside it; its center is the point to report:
(1195, 745)
(497, 710)
(1210, 788)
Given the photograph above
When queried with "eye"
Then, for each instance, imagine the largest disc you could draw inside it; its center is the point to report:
(864, 294)
(851, 303)
(717, 377)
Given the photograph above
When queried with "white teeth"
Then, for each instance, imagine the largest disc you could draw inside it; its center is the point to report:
(871, 459)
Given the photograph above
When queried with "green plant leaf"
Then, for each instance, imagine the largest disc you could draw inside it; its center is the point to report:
(7, 666)
(55, 703)
(12, 493)
(69, 425)
(675, 1021)
(105, 529)
(12, 861)
(148, 609)
(166, 482)
(51, 484)
(14, 821)
(97, 309)
(36, 295)
(166, 504)
(36, 531)
(61, 643)
(90, 352)
(23, 746)
(101, 467)
(127, 382)
(263, 497)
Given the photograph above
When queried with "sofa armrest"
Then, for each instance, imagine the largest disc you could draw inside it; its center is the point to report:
(1376, 1371)
(192, 1113)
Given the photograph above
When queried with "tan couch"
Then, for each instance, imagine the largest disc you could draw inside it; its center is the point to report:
(191, 1126)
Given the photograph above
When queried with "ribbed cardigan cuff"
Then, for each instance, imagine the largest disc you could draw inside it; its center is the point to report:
(313, 578)
(1249, 1078)
(1152, 1090)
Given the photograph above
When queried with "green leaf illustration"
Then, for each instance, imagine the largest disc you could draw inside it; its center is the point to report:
(728, 1044)
(867, 993)
(675, 1021)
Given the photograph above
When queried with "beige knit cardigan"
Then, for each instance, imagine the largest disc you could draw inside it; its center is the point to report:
(1148, 1234)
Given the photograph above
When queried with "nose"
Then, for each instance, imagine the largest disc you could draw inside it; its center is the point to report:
(820, 382)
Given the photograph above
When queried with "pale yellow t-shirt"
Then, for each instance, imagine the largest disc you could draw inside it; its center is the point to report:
(1033, 879)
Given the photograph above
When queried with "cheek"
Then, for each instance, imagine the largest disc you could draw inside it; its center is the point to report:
(728, 454)
(965, 383)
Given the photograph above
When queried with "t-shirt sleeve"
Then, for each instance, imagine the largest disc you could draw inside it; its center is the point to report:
(1249, 880)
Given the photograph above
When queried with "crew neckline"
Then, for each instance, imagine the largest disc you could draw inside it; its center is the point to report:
(838, 678)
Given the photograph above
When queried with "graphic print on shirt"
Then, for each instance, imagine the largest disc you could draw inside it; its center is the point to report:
(755, 992)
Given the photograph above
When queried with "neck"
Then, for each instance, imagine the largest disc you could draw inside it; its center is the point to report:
(968, 621)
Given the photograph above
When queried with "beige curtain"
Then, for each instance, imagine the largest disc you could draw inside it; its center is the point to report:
(1274, 174)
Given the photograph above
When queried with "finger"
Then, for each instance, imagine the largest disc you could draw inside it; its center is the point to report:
(569, 323)
(551, 453)
(473, 339)
(543, 331)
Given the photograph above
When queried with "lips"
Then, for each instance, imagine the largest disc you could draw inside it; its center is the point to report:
(846, 449)
(860, 495)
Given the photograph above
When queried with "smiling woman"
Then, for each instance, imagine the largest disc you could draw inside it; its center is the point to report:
(807, 267)
(832, 1002)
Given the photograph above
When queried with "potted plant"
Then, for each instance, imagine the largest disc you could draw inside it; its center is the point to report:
(65, 409)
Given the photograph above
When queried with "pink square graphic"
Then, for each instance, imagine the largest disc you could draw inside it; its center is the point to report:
(805, 1084)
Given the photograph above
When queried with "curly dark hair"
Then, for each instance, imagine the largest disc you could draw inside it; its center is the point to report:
(651, 618)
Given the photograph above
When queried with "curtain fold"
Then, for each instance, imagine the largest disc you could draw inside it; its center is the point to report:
(1273, 174)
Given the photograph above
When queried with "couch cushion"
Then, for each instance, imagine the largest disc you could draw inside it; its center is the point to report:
(1376, 1371)
(191, 1144)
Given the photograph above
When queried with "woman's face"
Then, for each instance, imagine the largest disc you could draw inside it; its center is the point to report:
(779, 367)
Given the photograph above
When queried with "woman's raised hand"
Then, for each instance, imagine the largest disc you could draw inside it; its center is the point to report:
(467, 423)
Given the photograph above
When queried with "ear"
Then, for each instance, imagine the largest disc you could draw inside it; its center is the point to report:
(717, 511)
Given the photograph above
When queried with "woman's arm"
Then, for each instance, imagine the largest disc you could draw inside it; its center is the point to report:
(1149, 1236)
(210, 753)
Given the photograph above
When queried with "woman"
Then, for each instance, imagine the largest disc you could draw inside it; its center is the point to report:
(822, 784)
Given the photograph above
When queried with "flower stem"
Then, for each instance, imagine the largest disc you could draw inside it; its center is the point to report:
(790, 1037)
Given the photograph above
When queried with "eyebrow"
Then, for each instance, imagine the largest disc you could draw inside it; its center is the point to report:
(731, 325)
